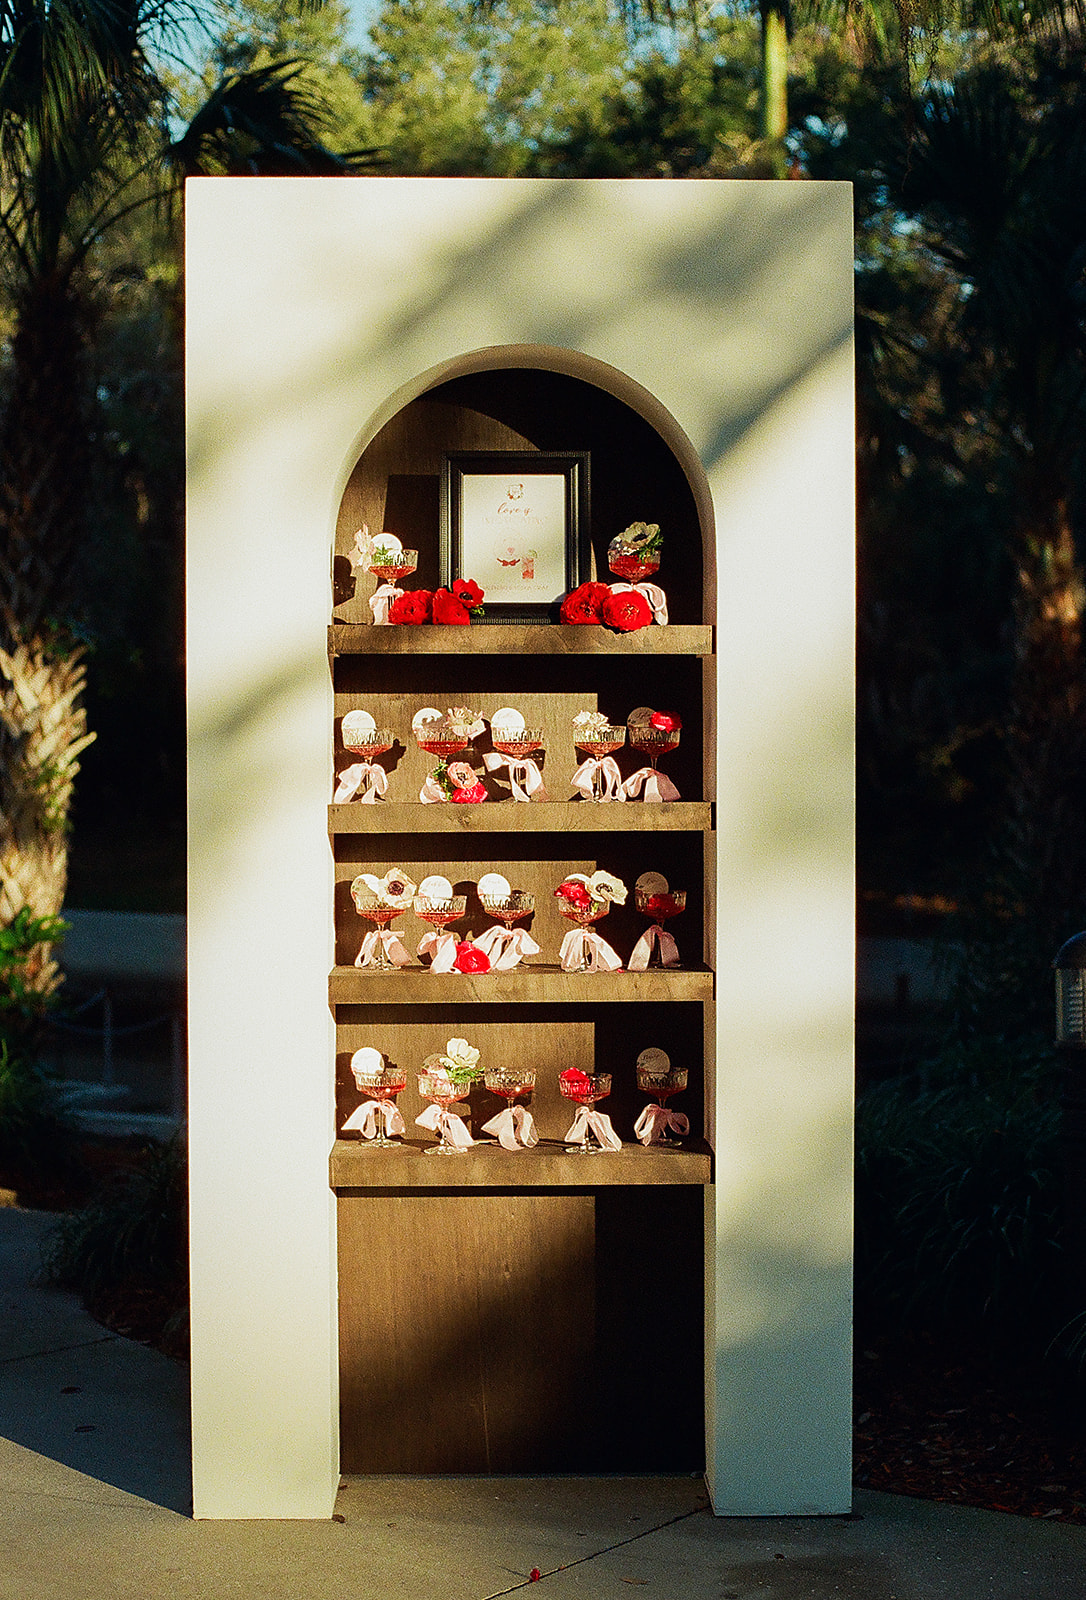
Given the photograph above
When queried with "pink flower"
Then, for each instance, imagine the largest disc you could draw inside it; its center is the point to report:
(665, 721)
(468, 958)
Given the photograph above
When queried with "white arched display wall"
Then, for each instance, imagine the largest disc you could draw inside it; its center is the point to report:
(722, 314)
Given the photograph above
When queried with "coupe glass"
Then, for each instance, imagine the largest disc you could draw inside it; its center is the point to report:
(436, 1087)
(509, 908)
(586, 1093)
(517, 742)
(631, 563)
(661, 1083)
(658, 907)
(653, 742)
(390, 566)
(382, 916)
(372, 744)
(440, 913)
(597, 743)
(384, 1084)
(583, 917)
(442, 741)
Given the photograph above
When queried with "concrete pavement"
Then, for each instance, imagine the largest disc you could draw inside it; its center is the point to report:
(94, 1499)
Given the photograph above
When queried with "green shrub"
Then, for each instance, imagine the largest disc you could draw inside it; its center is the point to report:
(39, 1155)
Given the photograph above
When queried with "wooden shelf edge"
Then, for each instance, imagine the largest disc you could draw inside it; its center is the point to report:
(525, 985)
(353, 1166)
(507, 816)
(538, 639)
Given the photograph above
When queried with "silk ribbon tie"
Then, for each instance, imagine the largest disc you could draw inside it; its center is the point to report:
(380, 602)
(588, 1117)
(440, 945)
(607, 767)
(657, 785)
(366, 780)
(505, 947)
(584, 951)
(388, 941)
(514, 1128)
(654, 1122)
(642, 950)
(370, 1113)
(439, 1121)
(525, 778)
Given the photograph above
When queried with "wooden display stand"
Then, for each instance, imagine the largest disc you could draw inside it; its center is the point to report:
(508, 1308)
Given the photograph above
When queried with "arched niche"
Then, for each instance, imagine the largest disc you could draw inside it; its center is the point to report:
(531, 398)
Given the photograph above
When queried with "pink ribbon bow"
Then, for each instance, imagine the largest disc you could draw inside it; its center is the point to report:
(431, 793)
(440, 1121)
(653, 593)
(380, 601)
(657, 785)
(642, 950)
(366, 779)
(525, 778)
(607, 767)
(504, 947)
(370, 1113)
(600, 1123)
(440, 945)
(387, 940)
(655, 1120)
(584, 951)
(514, 1128)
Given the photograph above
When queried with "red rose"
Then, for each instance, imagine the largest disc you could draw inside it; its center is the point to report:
(626, 611)
(575, 1080)
(665, 721)
(447, 608)
(468, 592)
(412, 607)
(469, 797)
(575, 893)
(469, 959)
(583, 604)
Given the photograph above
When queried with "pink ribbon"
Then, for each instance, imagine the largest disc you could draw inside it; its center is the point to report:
(600, 1123)
(366, 779)
(380, 601)
(431, 793)
(525, 778)
(654, 1122)
(440, 1121)
(642, 950)
(505, 947)
(514, 1128)
(584, 951)
(370, 1113)
(584, 777)
(657, 785)
(387, 940)
(440, 945)
(652, 592)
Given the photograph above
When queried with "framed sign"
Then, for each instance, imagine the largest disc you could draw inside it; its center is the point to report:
(517, 522)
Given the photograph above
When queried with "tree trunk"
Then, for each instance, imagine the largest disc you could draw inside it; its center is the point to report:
(44, 476)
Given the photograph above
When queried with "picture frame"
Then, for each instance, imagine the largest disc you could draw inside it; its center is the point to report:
(517, 522)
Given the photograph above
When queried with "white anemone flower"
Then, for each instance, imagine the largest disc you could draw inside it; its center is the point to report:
(605, 886)
(461, 1055)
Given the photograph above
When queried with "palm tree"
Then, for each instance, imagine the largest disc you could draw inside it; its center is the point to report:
(84, 142)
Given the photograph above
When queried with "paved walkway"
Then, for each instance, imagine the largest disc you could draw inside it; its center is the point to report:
(94, 1496)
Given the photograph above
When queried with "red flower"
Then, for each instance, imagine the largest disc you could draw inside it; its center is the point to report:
(626, 611)
(412, 607)
(469, 959)
(583, 604)
(665, 721)
(469, 797)
(447, 608)
(575, 1080)
(575, 893)
(468, 592)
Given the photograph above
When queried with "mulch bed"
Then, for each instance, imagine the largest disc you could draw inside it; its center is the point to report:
(966, 1429)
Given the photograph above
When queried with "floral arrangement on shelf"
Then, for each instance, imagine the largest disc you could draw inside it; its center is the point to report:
(459, 783)
(595, 893)
(459, 1062)
(469, 958)
(625, 606)
(454, 606)
(395, 889)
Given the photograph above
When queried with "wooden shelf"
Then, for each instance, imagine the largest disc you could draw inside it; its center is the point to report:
(355, 1165)
(511, 816)
(532, 639)
(525, 985)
